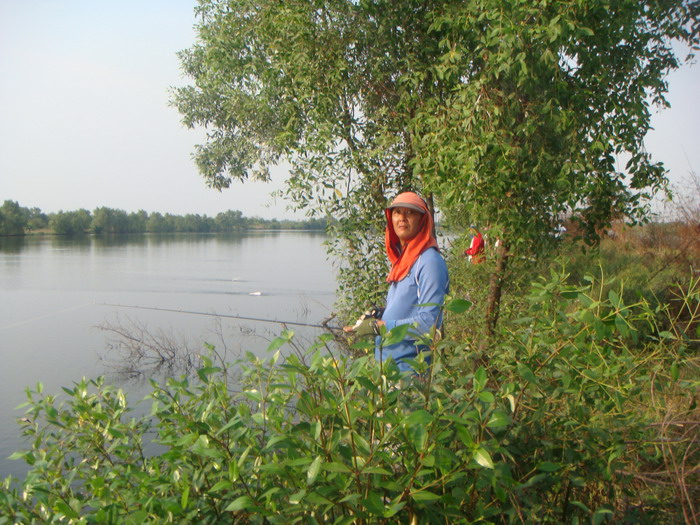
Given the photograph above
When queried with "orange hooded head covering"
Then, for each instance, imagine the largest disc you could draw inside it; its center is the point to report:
(402, 261)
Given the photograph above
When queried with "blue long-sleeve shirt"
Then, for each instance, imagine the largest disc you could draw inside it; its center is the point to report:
(426, 282)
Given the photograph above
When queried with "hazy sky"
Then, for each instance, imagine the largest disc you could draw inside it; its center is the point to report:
(85, 121)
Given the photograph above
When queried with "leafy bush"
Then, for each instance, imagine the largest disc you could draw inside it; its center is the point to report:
(555, 427)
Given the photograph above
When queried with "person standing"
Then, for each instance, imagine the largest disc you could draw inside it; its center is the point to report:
(418, 280)
(475, 252)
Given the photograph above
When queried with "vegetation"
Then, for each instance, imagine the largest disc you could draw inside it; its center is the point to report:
(16, 220)
(584, 412)
(578, 406)
(487, 108)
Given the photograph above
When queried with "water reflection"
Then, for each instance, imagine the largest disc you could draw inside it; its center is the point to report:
(17, 244)
(118, 241)
(12, 244)
(55, 293)
(70, 242)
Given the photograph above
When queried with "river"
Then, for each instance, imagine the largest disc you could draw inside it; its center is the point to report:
(58, 292)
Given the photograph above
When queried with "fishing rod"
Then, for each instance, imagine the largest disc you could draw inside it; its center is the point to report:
(323, 325)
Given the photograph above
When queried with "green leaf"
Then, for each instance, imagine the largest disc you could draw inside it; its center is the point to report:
(581, 506)
(486, 397)
(335, 466)
(533, 480)
(242, 503)
(458, 306)
(313, 471)
(318, 499)
(483, 458)
(393, 509)
(233, 471)
(185, 496)
(374, 503)
(424, 495)
(499, 419)
(622, 325)
(301, 462)
(511, 401)
(548, 466)
(316, 361)
(674, 371)
(232, 422)
(376, 470)
(316, 430)
(276, 343)
(274, 469)
(368, 384)
(205, 372)
(65, 509)
(480, 378)
(221, 485)
(244, 455)
(396, 334)
(296, 498)
(417, 436)
(350, 498)
(465, 436)
(203, 448)
(526, 373)
(600, 515)
(428, 461)
(419, 417)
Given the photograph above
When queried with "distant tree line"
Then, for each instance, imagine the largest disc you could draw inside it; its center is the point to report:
(17, 220)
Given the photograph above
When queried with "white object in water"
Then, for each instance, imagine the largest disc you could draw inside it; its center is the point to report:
(255, 293)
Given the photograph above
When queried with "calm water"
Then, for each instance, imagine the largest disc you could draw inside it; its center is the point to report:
(53, 292)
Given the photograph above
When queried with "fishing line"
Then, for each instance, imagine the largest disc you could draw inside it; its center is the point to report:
(51, 314)
(228, 316)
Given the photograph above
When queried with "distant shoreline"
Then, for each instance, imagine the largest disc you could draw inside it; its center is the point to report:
(49, 233)
(16, 220)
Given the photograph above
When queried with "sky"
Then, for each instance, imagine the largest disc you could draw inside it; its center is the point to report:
(85, 120)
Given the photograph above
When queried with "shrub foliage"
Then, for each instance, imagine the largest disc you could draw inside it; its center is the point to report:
(559, 424)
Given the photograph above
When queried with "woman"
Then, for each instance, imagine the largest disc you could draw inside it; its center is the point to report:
(418, 277)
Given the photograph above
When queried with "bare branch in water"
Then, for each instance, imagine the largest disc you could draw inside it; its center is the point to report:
(134, 351)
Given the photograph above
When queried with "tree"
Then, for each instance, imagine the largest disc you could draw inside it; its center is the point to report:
(70, 222)
(13, 219)
(542, 100)
(230, 221)
(37, 220)
(138, 221)
(108, 220)
(510, 112)
(195, 223)
(315, 87)
(156, 223)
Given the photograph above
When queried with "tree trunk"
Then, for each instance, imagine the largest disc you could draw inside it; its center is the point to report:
(493, 301)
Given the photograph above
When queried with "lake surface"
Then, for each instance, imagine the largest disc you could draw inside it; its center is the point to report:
(56, 292)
